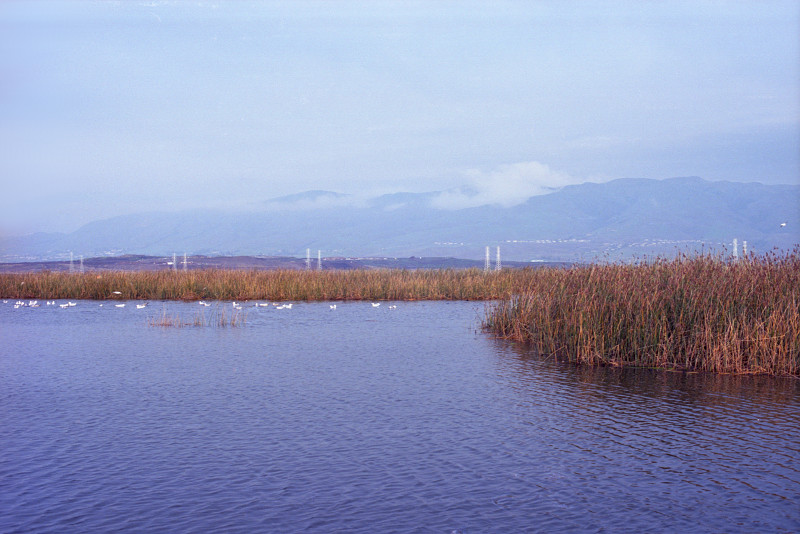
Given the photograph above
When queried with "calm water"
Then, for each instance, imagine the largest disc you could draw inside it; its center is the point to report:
(365, 419)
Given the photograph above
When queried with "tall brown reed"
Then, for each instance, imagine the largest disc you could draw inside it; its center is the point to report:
(214, 284)
(701, 313)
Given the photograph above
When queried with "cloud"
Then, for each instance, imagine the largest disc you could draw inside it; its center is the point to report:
(312, 200)
(507, 185)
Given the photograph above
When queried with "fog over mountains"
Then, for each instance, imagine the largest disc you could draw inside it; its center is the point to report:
(620, 219)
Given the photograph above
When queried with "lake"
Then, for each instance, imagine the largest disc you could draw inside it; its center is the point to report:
(370, 419)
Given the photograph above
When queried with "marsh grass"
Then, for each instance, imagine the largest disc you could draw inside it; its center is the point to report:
(217, 318)
(700, 313)
(279, 285)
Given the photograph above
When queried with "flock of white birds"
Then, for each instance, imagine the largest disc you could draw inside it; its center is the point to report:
(236, 305)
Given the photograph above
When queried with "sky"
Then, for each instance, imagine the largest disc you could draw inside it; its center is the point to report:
(110, 108)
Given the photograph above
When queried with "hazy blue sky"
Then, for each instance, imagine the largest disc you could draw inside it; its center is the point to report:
(109, 108)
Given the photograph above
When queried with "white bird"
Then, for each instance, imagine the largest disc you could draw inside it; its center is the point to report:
(333, 306)
(71, 303)
(66, 305)
(117, 292)
(206, 304)
(376, 304)
(202, 303)
(119, 305)
(288, 306)
(783, 224)
(5, 302)
(140, 306)
(393, 307)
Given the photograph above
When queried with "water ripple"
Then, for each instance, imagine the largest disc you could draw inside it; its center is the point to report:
(368, 420)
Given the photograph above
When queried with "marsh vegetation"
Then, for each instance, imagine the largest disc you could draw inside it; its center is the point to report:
(691, 313)
(218, 317)
(276, 285)
(705, 313)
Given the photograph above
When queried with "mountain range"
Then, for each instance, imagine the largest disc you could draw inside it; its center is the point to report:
(620, 219)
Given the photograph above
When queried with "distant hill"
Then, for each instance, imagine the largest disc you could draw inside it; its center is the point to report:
(614, 220)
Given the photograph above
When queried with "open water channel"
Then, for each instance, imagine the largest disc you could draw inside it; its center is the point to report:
(369, 419)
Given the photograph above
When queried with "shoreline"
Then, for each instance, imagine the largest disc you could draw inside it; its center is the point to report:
(134, 263)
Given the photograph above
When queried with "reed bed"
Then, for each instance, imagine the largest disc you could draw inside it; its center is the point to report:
(700, 313)
(279, 285)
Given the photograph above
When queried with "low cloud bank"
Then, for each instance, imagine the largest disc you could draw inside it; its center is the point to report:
(315, 200)
(504, 186)
(507, 185)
